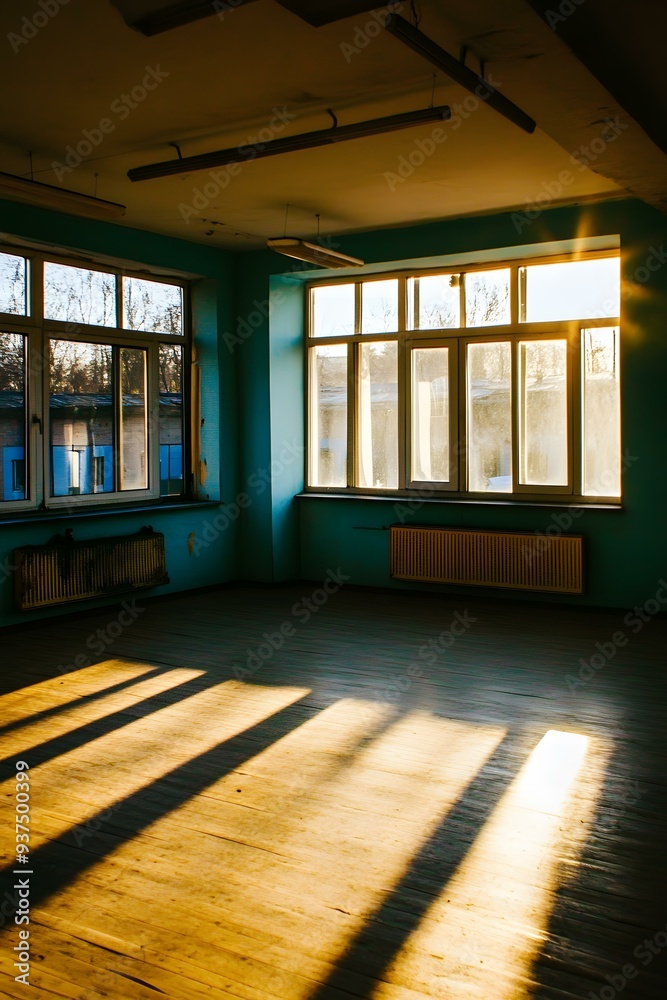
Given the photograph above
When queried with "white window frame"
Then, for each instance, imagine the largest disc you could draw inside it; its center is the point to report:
(457, 338)
(39, 332)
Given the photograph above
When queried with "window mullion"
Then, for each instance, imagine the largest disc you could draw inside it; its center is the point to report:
(353, 409)
(516, 403)
(120, 318)
(576, 390)
(456, 424)
(462, 409)
(117, 429)
(402, 373)
(516, 297)
(38, 393)
(152, 403)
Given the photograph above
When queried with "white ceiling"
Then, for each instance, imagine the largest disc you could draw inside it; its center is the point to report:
(227, 76)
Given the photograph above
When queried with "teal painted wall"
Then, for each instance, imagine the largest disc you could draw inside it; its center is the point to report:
(249, 326)
(202, 544)
(626, 550)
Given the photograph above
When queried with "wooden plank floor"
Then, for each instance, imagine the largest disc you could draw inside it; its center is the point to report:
(404, 796)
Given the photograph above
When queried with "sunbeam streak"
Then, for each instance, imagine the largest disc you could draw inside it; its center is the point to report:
(480, 937)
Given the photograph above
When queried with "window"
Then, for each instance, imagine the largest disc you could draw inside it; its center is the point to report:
(92, 383)
(18, 476)
(494, 381)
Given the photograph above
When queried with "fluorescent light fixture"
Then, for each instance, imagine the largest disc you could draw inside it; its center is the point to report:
(313, 253)
(59, 199)
(428, 49)
(290, 143)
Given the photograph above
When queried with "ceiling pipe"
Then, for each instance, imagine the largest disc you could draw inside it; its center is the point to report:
(477, 85)
(289, 144)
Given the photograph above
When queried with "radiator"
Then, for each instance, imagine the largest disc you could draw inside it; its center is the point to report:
(517, 560)
(66, 570)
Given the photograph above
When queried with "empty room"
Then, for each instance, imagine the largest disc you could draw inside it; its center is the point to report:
(333, 561)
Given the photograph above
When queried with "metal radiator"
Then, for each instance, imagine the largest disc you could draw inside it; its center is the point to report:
(66, 570)
(515, 560)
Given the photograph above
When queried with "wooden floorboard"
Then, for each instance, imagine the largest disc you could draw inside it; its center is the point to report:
(406, 796)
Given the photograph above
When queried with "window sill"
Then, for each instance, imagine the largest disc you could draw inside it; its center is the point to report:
(407, 498)
(165, 507)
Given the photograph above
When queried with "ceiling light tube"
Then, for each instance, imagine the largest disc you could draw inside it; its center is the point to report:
(428, 49)
(289, 144)
(313, 253)
(59, 199)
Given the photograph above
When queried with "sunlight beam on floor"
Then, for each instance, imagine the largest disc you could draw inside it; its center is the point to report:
(68, 689)
(73, 787)
(319, 858)
(81, 712)
(480, 938)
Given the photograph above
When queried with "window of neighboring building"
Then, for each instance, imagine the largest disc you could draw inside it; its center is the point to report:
(18, 476)
(485, 381)
(92, 384)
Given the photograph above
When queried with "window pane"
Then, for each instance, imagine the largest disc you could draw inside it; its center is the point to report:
(434, 302)
(133, 430)
(12, 417)
(13, 284)
(333, 310)
(430, 414)
(602, 413)
(81, 418)
(77, 295)
(578, 289)
(152, 306)
(328, 408)
(489, 408)
(379, 306)
(543, 413)
(487, 297)
(171, 420)
(378, 416)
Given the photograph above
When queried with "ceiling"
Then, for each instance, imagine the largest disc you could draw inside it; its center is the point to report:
(226, 79)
